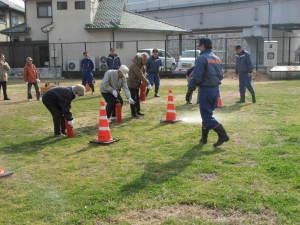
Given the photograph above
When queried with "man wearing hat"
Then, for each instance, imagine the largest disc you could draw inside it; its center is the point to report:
(208, 74)
(110, 88)
(58, 102)
(86, 68)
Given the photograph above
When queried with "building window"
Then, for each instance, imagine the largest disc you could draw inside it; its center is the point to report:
(62, 5)
(14, 20)
(79, 4)
(44, 9)
(201, 18)
(2, 18)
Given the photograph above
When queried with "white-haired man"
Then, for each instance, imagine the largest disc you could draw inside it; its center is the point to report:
(110, 87)
(58, 101)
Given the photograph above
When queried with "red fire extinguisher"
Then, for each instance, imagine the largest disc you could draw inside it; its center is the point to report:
(219, 103)
(118, 109)
(69, 130)
(143, 90)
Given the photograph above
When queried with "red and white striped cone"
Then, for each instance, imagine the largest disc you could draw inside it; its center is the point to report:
(4, 173)
(104, 136)
(171, 111)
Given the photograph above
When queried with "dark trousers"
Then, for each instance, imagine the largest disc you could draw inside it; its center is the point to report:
(111, 103)
(154, 79)
(135, 95)
(57, 116)
(90, 83)
(208, 98)
(3, 85)
(245, 82)
(37, 90)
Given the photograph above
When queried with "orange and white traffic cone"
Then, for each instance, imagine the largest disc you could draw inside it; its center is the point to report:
(104, 136)
(171, 111)
(4, 173)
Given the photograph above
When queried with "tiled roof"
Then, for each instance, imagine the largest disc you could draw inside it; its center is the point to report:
(111, 15)
(21, 28)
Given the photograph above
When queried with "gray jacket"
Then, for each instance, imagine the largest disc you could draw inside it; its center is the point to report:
(113, 81)
(243, 63)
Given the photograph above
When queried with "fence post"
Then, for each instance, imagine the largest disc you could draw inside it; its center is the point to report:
(195, 47)
(289, 62)
(180, 44)
(283, 50)
(62, 56)
(226, 54)
(166, 42)
(137, 45)
(54, 58)
(257, 54)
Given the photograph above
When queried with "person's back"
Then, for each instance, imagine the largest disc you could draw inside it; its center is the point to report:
(110, 81)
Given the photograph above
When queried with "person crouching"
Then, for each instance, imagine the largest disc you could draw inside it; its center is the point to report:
(58, 101)
(110, 87)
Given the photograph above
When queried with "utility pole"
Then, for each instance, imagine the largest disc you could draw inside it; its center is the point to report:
(270, 35)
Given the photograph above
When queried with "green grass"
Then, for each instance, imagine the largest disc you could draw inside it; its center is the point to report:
(68, 181)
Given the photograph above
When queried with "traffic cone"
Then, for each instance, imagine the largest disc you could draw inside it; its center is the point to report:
(69, 130)
(143, 90)
(171, 111)
(104, 136)
(118, 109)
(4, 173)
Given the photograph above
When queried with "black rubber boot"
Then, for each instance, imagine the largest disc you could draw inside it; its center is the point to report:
(204, 137)
(253, 98)
(222, 135)
(242, 100)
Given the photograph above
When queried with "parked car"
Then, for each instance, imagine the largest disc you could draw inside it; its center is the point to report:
(171, 62)
(187, 60)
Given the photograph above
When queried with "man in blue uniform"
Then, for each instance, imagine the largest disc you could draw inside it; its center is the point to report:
(153, 67)
(244, 68)
(113, 60)
(208, 74)
(86, 68)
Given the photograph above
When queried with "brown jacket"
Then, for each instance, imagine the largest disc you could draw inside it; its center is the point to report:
(4, 68)
(136, 73)
(30, 73)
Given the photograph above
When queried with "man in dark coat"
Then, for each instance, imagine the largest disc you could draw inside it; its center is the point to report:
(243, 69)
(113, 60)
(58, 102)
(207, 74)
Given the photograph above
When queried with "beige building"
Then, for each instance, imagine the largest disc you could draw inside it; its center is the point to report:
(73, 26)
(11, 14)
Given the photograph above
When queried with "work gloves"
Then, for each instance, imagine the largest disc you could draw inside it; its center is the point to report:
(131, 101)
(115, 93)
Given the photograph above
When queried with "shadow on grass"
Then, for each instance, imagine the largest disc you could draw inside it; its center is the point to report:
(155, 173)
(232, 108)
(30, 146)
(14, 102)
(84, 149)
(187, 107)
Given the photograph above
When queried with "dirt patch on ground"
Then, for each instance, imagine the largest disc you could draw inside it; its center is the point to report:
(157, 216)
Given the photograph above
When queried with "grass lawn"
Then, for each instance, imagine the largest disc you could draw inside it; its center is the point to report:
(156, 174)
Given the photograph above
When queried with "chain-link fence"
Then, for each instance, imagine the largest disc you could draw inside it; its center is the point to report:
(176, 54)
